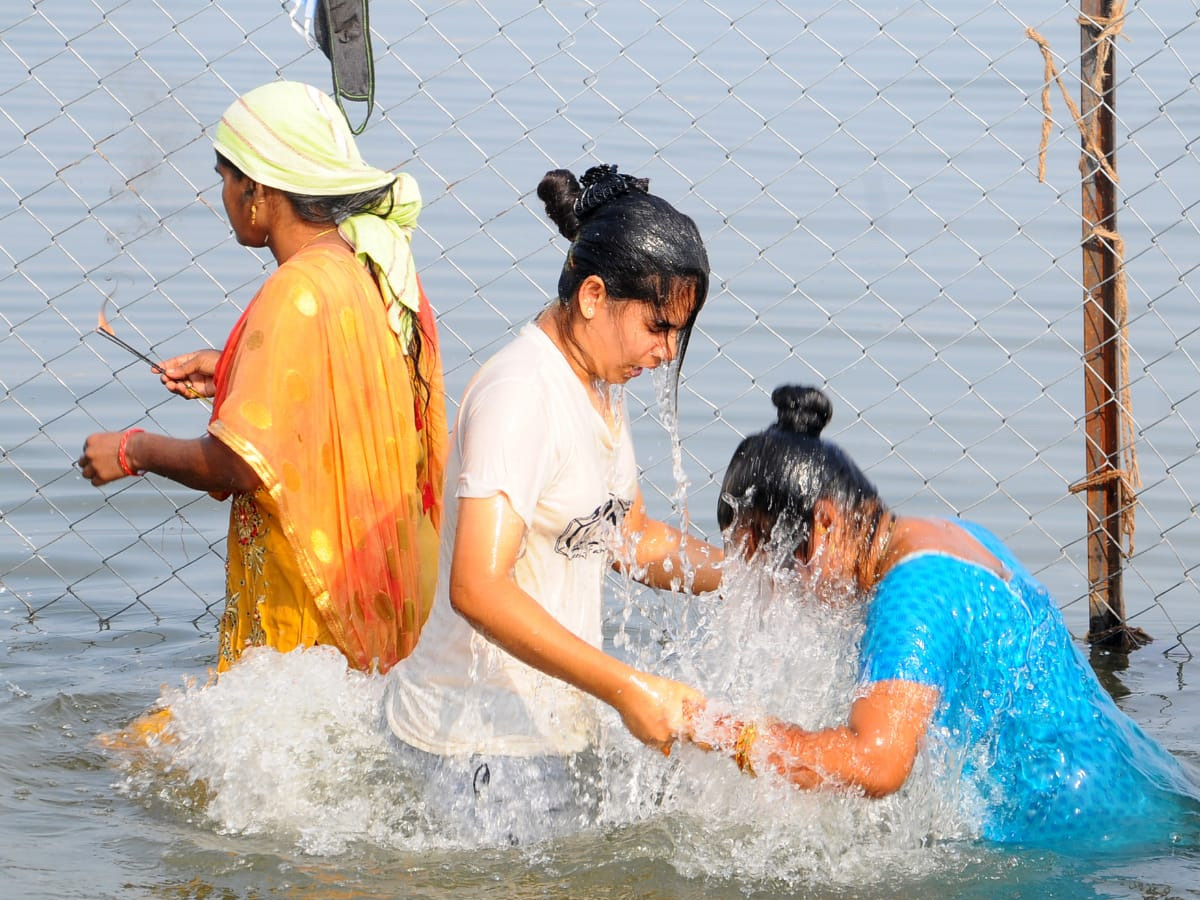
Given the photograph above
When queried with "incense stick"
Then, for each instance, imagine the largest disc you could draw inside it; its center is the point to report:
(103, 328)
(138, 353)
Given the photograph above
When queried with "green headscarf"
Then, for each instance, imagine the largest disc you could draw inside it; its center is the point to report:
(293, 137)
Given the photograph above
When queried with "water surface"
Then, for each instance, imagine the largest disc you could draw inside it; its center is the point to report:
(865, 177)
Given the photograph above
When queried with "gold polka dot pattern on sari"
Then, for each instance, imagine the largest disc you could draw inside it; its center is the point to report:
(321, 547)
(256, 414)
(358, 532)
(306, 304)
(296, 386)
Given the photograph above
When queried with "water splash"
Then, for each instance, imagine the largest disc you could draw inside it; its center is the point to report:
(294, 747)
(669, 415)
(765, 647)
(289, 745)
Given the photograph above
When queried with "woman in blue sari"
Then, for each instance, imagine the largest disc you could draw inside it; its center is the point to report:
(963, 653)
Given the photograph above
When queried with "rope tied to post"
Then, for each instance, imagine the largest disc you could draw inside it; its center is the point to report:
(1128, 478)
(1108, 28)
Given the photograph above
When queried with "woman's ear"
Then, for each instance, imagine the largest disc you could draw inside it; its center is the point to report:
(591, 294)
(825, 515)
(825, 519)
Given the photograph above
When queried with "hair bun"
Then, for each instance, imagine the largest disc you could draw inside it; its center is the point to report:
(804, 410)
(603, 183)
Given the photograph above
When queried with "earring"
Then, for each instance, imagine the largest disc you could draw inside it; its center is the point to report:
(253, 213)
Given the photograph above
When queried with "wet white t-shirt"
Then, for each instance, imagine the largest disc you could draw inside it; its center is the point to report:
(526, 429)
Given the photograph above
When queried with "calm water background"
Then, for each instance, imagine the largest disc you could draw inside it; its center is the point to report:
(865, 292)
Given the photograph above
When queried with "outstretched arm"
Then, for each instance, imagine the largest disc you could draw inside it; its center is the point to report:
(661, 552)
(482, 589)
(203, 463)
(874, 751)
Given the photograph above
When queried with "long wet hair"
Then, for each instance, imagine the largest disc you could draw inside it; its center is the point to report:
(639, 245)
(332, 211)
(776, 477)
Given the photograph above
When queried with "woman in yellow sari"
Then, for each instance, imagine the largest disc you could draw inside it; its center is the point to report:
(328, 427)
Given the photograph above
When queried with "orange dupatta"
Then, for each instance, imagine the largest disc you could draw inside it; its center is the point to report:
(314, 391)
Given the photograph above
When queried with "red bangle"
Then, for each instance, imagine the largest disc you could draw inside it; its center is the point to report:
(121, 452)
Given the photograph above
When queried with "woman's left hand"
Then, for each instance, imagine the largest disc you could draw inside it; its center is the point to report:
(708, 729)
(100, 461)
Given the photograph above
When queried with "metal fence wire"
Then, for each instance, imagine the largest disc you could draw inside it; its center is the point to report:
(891, 194)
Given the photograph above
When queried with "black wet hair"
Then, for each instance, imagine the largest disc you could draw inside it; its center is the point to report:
(776, 477)
(638, 244)
(328, 210)
(332, 211)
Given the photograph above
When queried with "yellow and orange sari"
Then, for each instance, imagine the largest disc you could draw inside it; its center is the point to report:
(315, 391)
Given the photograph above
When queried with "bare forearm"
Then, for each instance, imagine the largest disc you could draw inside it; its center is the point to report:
(665, 558)
(651, 707)
(488, 541)
(874, 751)
(516, 622)
(808, 759)
(202, 463)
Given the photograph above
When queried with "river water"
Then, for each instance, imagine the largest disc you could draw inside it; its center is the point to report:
(874, 223)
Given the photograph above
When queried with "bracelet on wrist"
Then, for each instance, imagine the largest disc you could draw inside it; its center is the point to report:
(121, 453)
(741, 749)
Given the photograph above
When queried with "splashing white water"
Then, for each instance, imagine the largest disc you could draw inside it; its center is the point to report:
(768, 646)
(765, 648)
(670, 420)
(293, 746)
(289, 745)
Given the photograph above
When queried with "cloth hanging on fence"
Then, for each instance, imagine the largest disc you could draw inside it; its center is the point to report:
(342, 31)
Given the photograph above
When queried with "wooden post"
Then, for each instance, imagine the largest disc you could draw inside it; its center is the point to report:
(1101, 339)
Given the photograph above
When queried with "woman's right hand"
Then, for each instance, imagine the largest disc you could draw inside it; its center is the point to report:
(191, 374)
(654, 708)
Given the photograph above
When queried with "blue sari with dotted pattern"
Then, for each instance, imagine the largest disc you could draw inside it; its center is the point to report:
(1042, 746)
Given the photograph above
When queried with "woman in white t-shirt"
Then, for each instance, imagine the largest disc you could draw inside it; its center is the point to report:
(541, 499)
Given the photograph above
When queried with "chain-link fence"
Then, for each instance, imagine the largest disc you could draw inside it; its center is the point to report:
(866, 176)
